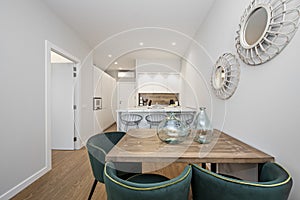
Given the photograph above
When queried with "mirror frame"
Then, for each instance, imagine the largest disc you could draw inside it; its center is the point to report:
(231, 68)
(282, 23)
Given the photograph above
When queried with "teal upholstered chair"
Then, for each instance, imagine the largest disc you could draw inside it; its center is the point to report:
(98, 146)
(119, 189)
(274, 183)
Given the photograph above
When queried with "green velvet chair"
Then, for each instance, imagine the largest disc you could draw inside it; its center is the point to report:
(274, 183)
(119, 189)
(98, 146)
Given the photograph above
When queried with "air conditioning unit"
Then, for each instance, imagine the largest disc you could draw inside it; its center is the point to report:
(126, 74)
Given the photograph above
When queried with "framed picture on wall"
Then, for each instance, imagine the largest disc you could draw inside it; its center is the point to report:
(97, 103)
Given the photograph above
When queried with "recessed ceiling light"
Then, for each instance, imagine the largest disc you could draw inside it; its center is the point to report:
(173, 43)
(116, 63)
(141, 43)
(109, 55)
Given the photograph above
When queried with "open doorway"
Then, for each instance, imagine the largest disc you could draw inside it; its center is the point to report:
(61, 98)
(63, 74)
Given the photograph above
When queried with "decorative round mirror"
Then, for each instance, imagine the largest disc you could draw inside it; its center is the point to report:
(225, 76)
(266, 28)
(255, 27)
(218, 77)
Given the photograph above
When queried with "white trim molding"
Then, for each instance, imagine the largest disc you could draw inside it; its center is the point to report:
(21, 186)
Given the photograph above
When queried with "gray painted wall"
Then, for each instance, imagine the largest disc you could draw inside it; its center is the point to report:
(25, 25)
(264, 111)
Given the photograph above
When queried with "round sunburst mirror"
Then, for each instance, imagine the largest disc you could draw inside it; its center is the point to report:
(225, 76)
(266, 27)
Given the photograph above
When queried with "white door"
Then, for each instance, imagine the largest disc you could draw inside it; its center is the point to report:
(126, 95)
(62, 119)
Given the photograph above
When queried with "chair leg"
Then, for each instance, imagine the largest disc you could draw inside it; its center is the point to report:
(93, 189)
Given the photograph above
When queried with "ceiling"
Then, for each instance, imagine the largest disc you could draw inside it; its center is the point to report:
(127, 62)
(114, 28)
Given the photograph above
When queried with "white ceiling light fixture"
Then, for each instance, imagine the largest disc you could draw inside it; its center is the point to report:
(173, 43)
(109, 55)
(141, 44)
(116, 63)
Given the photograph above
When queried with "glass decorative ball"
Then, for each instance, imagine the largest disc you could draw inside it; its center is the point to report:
(172, 131)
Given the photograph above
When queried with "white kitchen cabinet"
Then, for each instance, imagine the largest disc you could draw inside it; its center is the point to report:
(158, 75)
(173, 82)
(158, 82)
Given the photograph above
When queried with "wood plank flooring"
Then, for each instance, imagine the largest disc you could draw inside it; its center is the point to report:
(71, 178)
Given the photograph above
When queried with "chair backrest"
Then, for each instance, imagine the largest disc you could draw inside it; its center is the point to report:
(274, 184)
(155, 117)
(98, 146)
(119, 189)
(185, 117)
(131, 118)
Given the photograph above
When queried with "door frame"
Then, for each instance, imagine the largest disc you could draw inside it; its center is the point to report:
(48, 48)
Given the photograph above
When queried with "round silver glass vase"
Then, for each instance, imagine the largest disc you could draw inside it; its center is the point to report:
(202, 129)
(172, 131)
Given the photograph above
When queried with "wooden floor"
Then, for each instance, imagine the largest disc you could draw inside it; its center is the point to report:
(71, 178)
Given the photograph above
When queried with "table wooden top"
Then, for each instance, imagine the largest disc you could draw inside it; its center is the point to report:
(143, 145)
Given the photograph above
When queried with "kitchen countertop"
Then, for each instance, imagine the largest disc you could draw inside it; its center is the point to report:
(155, 108)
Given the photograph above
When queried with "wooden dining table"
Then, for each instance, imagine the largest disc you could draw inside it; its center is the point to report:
(224, 154)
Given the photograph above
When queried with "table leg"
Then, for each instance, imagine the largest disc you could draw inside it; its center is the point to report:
(129, 167)
(213, 167)
(243, 171)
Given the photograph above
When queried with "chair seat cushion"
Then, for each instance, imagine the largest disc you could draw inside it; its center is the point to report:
(147, 178)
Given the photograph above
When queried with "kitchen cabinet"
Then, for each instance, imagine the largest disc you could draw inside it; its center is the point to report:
(158, 82)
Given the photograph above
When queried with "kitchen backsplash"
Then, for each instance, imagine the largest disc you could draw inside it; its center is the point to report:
(158, 98)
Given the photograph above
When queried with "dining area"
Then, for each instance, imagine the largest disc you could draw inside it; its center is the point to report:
(133, 165)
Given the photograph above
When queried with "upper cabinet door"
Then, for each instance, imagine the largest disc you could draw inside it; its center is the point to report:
(174, 82)
(158, 83)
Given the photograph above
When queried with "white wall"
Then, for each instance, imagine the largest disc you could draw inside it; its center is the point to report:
(86, 113)
(25, 25)
(195, 85)
(264, 111)
(104, 87)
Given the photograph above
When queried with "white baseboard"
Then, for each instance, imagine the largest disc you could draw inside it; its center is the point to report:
(21, 186)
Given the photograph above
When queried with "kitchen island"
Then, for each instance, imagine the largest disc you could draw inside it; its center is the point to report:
(146, 110)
